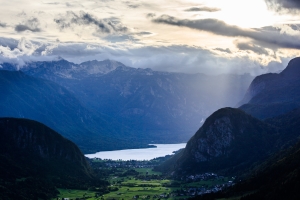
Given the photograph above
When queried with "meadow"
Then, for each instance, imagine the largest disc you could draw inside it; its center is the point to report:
(143, 183)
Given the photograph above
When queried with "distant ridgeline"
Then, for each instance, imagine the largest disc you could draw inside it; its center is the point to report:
(35, 160)
(270, 95)
(97, 103)
(264, 153)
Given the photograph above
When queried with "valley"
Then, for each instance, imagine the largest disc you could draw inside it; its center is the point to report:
(136, 100)
(249, 152)
(135, 180)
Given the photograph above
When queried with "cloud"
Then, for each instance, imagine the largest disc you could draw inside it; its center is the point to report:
(9, 42)
(273, 39)
(284, 6)
(206, 9)
(109, 25)
(131, 5)
(3, 25)
(150, 15)
(173, 58)
(32, 24)
(227, 50)
(144, 33)
(252, 47)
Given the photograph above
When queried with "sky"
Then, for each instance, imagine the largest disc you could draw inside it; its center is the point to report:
(189, 36)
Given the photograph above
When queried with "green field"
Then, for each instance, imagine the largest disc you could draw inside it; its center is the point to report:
(73, 194)
(148, 171)
(140, 183)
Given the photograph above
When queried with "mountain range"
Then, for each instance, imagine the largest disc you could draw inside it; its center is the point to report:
(116, 100)
(33, 98)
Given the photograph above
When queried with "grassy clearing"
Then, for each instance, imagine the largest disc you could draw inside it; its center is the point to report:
(147, 171)
(73, 194)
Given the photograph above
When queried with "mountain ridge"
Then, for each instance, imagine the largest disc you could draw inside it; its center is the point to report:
(49, 103)
(270, 95)
(161, 107)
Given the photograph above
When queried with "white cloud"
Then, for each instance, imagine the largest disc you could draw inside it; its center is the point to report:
(123, 31)
(173, 58)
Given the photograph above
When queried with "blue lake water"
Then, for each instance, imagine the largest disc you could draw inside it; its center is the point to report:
(139, 154)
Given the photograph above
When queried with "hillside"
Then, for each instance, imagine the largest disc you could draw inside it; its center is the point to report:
(276, 178)
(35, 160)
(270, 95)
(24, 96)
(230, 141)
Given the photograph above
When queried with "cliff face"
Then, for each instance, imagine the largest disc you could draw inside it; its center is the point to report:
(214, 141)
(270, 95)
(229, 140)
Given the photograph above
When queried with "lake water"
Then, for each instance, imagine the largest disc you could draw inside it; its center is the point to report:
(139, 154)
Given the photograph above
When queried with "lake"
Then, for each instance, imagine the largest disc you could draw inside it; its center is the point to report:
(139, 154)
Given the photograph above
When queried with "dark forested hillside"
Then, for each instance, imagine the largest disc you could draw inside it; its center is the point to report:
(34, 160)
(275, 179)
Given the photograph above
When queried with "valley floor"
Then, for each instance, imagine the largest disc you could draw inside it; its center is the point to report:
(137, 181)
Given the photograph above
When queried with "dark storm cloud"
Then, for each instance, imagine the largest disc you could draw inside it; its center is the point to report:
(273, 39)
(109, 25)
(284, 5)
(252, 47)
(206, 9)
(30, 24)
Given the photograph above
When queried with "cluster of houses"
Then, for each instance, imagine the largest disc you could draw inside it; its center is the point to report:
(127, 163)
(201, 190)
(201, 177)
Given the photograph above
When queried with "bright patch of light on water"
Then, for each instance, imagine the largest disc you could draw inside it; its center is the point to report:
(139, 154)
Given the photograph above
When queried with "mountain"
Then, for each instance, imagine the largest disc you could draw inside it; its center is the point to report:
(270, 95)
(276, 178)
(34, 160)
(24, 96)
(161, 107)
(230, 141)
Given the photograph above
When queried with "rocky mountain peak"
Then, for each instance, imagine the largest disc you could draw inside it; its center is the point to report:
(229, 134)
